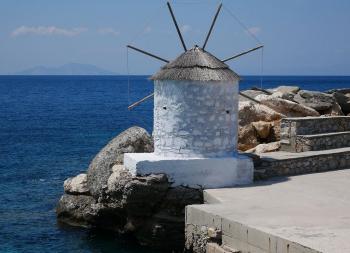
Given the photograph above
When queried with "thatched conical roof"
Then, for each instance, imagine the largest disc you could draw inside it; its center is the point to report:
(198, 65)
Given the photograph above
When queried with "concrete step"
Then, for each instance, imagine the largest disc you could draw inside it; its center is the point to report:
(283, 163)
(314, 142)
(301, 214)
(305, 134)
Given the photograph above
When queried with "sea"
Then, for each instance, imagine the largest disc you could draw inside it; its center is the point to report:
(50, 129)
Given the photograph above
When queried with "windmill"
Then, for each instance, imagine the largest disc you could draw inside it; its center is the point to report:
(130, 107)
(195, 120)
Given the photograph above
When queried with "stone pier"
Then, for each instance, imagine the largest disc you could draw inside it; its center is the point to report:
(299, 214)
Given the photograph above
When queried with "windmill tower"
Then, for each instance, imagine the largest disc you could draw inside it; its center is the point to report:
(195, 121)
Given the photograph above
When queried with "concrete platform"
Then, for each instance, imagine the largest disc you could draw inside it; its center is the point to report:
(307, 213)
(195, 172)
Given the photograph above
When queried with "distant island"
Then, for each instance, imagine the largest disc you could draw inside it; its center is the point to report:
(66, 69)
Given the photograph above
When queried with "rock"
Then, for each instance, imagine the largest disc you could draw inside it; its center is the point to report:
(344, 91)
(76, 185)
(275, 133)
(168, 221)
(343, 100)
(286, 95)
(250, 93)
(77, 210)
(262, 128)
(142, 194)
(249, 112)
(265, 148)
(285, 89)
(247, 137)
(286, 107)
(117, 181)
(133, 140)
(335, 110)
(314, 99)
(178, 198)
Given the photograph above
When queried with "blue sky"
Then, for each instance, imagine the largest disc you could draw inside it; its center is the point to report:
(301, 37)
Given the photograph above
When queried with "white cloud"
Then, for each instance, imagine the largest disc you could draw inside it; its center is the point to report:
(108, 31)
(185, 28)
(47, 30)
(254, 30)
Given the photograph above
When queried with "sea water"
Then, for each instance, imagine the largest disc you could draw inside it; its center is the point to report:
(50, 129)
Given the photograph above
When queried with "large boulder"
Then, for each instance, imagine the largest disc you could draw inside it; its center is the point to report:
(142, 194)
(335, 110)
(317, 100)
(249, 112)
(76, 185)
(247, 137)
(250, 93)
(286, 107)
(343, 100)
(136, 195)
(77, 210)
(168, 221)
(285, 89)
(133, 140)
(262, 128)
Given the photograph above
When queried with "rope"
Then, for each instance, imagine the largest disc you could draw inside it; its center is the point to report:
(262, 68)
(128, 73)
(245, 28)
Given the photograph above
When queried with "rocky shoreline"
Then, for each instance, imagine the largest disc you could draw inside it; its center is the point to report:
(148, 207)
(108, 197)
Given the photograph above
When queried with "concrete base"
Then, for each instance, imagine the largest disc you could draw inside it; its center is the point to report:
(194, 172)
(300, 214)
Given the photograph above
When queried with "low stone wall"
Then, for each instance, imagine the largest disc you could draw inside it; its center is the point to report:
(322, 141)
(293, 128)
(309, 162)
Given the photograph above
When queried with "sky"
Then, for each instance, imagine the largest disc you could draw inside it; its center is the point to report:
(300, 37)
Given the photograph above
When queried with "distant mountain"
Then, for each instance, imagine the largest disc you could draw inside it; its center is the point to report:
(66, 69)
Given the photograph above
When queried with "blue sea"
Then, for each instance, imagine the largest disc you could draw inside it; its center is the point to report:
(50, 129)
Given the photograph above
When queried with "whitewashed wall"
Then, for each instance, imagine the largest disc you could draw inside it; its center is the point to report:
(194, 119)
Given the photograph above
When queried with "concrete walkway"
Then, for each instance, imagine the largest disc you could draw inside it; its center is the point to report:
(307, 213)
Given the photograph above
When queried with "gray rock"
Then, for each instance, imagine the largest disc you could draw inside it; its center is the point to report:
(286, 107)
(142, 194)
(76, 185)
(285, 89)
(343, 100)
(249, 112)
(77, 210)
(335, 110)
(250, 93)
(314, 99)
(283, 95)
(344, 91)
(169, 220)
(133, 140)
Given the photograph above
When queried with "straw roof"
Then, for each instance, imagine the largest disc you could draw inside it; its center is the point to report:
(198, 65)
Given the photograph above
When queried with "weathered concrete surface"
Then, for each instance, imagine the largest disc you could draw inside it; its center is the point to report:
(308, 213)
(199, 172)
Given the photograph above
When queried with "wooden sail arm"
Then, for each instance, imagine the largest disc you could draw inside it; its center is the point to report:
(212, 26)
(147, 53)
(243, 53)
(250, 98)
(177, 27)
(152, 94)
(130, 107)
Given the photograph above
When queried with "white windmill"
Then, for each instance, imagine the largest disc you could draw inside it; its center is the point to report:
(195, 121)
